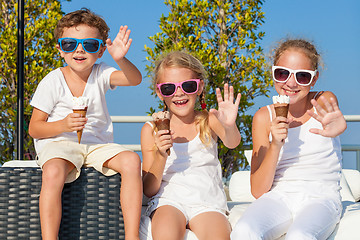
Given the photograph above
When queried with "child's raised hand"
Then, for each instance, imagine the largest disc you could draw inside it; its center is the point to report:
(121, 44)
(74, 122)
(331, 118)
(228, 110)
(163, 141)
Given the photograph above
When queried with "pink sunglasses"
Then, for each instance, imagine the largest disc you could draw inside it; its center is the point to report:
(168, 89)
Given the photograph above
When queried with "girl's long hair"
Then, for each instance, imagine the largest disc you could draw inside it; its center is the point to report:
(181, 59)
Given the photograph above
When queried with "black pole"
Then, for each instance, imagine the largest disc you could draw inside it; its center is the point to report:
(20, 78)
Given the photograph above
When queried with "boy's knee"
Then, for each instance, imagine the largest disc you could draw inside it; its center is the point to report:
(54, 173)
(130, 162)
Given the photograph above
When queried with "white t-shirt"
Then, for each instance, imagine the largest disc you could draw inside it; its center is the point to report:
(54, 97)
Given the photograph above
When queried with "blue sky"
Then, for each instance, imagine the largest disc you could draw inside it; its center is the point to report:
(332, 25)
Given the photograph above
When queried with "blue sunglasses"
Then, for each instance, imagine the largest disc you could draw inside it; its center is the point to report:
(90, 45)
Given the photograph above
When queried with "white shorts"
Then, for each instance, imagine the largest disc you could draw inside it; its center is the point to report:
(188, 212)
(87, 155)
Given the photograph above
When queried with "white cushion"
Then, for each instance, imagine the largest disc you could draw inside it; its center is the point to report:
(20, 163)
(248, 155)
(239, 187)
(345, 191)
(353, 179)
(236, 211)
(348, 228)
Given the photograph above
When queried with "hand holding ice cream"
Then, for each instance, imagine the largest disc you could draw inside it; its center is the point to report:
(80, 105)
(162, 122)
(281, 106)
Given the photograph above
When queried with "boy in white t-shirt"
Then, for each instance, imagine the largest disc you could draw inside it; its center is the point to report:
(81, 37)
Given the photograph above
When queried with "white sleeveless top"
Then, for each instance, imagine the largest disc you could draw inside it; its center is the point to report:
(309, 161)
(192, 176)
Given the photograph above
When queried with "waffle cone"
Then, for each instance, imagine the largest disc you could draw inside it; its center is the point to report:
(281, 109)
(163, 124)
(83, 114)
(79, 134)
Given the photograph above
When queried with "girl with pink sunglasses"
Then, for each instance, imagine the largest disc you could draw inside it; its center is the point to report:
(185, 188)
(296, 160)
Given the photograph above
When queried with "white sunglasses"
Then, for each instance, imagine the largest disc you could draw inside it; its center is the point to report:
(302, 77)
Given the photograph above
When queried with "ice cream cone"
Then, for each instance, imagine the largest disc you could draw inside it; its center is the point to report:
(281, 109)
(83, 114)
(80, 105)
(281, 105)
(162, 122)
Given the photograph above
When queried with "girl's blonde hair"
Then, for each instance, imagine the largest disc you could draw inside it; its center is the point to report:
(305, 46)
(181, 59)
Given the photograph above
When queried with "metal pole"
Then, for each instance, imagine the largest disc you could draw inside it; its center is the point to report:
(20, 78)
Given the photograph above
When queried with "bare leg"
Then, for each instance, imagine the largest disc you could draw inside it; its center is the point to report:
(128, 165)
(210, 225)
(168, 223)
(53, 179)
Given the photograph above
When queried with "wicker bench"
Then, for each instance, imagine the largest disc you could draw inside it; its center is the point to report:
(91, 206)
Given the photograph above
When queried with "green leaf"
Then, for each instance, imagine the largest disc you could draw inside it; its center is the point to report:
(40, 57)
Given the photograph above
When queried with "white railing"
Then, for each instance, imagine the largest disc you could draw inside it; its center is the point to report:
(352, 118)
(141, 119)
(130, 119)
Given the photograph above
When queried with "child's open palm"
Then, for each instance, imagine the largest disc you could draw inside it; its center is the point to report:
(121, 44)
(331, 118)
(227, 110)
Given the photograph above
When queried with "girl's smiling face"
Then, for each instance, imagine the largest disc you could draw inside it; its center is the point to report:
(180, 103)
(294, 59)
(79, 60)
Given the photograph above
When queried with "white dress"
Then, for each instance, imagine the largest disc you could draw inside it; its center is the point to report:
(192, 177)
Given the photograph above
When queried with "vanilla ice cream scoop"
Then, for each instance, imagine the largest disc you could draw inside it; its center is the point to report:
(161, 115)
(80, 102)
(281, 99)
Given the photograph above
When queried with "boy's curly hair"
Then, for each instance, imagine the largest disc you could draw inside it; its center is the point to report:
(82, 16)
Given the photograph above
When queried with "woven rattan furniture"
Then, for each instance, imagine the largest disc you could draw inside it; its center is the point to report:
(91, 206)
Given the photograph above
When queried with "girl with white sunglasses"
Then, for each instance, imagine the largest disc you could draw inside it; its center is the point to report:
(185, 187)
(295, 166)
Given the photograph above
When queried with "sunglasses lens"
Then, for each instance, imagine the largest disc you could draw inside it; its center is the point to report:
(303, 77)
(167, 89)
(68, 45)
(189, 86)
(91, 45)
(281, 75)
